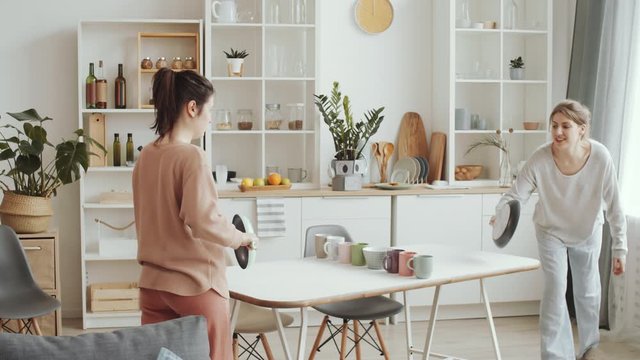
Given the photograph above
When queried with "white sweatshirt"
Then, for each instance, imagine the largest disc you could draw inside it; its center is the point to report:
(570, 207)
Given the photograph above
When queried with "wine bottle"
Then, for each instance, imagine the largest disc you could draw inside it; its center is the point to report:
(116, 149)
(90, 89)
(101, 88)
(129, 159)
(121, 90)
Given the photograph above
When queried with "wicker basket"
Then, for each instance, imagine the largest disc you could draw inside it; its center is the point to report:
(25, 214)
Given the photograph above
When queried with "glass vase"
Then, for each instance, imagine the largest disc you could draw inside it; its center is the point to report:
(506, 178)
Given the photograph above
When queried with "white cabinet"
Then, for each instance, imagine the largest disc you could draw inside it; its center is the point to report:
(115, 42)
(367, 219)
(285, 247)
(452, 220)
(280, 69)
(524, 286)
(474, 77)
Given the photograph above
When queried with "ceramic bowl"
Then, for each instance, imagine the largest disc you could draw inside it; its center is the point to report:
(468, 172)
(374, 256)
(530, 125)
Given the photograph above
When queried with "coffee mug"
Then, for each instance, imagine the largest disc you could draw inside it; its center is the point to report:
(357, 256)
(422, 265)
(224, 11)
(321, 239)
(344, 252)
(331, 246)
(297, 175)
(390, 261)
(403, 260)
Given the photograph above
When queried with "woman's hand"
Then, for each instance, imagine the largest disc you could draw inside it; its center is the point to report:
(250, 240)
(492, 221)
(618, 266)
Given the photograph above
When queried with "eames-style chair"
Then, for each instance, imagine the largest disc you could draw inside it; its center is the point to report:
(21, 299)
(356, 311)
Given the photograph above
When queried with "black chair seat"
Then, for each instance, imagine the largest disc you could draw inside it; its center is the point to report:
(372, 308)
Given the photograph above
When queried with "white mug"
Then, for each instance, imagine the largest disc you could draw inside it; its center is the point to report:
(221, 174)
(331, 246)
(227, 12)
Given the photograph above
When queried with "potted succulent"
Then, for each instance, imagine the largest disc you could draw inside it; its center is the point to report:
(26, 206)
(235, 61)
(349, 137)
(516, 68)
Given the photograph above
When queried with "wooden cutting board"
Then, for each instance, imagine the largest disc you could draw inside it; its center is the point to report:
(436, 158)
(412, 138)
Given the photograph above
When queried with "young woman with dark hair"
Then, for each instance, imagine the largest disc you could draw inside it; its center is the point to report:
(181, 233)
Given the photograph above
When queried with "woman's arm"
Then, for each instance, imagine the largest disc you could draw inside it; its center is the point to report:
(615, 214)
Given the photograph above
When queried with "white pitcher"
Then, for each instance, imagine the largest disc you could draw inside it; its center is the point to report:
(227, 11)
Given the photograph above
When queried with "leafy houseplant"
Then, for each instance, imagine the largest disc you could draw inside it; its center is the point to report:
(235, 61)
(499, 142)
(516, 68)
(33, 179)
(349, 137)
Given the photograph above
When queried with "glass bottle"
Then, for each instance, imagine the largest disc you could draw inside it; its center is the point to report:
(90, 89)
(101, 88)
(121, 90)
(274, 12)
(162, 62)
(116, 149)
(506, 178)
(189, 63)
(513, 15)
(176, 63)
(298, 11)
(129, 157)
(273, 116)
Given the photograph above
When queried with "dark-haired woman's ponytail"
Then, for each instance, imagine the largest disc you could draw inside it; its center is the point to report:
(165, 100)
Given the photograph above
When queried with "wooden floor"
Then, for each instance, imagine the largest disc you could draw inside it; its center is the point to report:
(468, 339)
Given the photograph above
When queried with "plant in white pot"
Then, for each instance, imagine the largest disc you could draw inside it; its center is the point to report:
(235, 61)
(349, 137)
(26, 206)
(516, 68)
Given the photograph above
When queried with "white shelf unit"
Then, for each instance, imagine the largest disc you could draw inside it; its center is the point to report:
(475, 76)
(280, 68)
(114, 42)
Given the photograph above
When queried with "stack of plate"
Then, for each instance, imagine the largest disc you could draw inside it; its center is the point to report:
(414, 168)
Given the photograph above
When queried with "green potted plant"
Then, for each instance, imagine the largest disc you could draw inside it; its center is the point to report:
(500, 142)
(26, 206)
(349, 137)
(516, 68)
(235, 61)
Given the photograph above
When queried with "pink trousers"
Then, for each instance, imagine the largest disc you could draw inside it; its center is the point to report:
(160, 306)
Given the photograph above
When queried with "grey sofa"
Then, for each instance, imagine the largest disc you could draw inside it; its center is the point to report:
(186, 337)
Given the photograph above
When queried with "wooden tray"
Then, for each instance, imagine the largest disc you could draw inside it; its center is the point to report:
(264, 188)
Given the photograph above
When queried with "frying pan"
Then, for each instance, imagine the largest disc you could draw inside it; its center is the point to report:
(507, 217)
(244, 255)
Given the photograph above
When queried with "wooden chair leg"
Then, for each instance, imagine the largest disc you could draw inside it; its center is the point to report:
(265, 344)
(343, 343)
(357, 339)
(381, 340)
(235, 346)
(314, 349)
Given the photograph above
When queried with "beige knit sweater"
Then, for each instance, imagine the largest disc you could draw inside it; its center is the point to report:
(181, 233)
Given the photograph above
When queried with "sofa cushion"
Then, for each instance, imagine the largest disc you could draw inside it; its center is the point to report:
(186, 337)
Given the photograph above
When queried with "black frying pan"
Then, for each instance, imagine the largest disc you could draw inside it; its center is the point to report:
(506, 222)
(243, 254)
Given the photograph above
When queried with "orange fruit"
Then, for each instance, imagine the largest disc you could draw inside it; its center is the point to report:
(274, 179)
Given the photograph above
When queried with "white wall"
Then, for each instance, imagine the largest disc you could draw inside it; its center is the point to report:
(39, 64)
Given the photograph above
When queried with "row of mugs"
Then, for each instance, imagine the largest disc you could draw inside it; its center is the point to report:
(394, 261)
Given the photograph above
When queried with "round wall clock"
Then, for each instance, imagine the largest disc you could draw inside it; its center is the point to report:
(374, 16)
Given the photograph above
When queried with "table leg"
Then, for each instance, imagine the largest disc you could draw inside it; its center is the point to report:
(407, 325)
(304, 323)
(283, 340)
(487, 307)
(432, 324)
(235, 310)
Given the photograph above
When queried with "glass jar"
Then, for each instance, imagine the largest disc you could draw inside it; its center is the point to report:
(177, 63)
(161, 63)
(273, 117)
(245, 119)
(146, 63)
(189, 63)
(223, 119)
(296, 116)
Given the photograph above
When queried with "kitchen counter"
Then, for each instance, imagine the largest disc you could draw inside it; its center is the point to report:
(327, 192)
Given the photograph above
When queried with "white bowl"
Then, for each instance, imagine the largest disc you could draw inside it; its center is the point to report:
(374, 256)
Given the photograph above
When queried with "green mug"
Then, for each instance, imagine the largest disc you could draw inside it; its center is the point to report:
(357, 256)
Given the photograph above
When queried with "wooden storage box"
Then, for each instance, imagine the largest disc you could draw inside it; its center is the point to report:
(118, 296)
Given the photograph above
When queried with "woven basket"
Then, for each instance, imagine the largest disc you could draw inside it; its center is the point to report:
(25, 214)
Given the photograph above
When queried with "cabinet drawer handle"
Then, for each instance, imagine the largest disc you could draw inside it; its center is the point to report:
(28, 248)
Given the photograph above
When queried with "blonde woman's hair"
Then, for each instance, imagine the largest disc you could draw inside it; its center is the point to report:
(574, 111)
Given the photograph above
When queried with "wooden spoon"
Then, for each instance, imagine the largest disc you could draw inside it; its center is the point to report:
(387, 152)
(377, 152)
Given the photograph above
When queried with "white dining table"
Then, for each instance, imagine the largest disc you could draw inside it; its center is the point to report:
(309, 282)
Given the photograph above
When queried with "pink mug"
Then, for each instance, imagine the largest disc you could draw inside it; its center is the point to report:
(403, 260)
